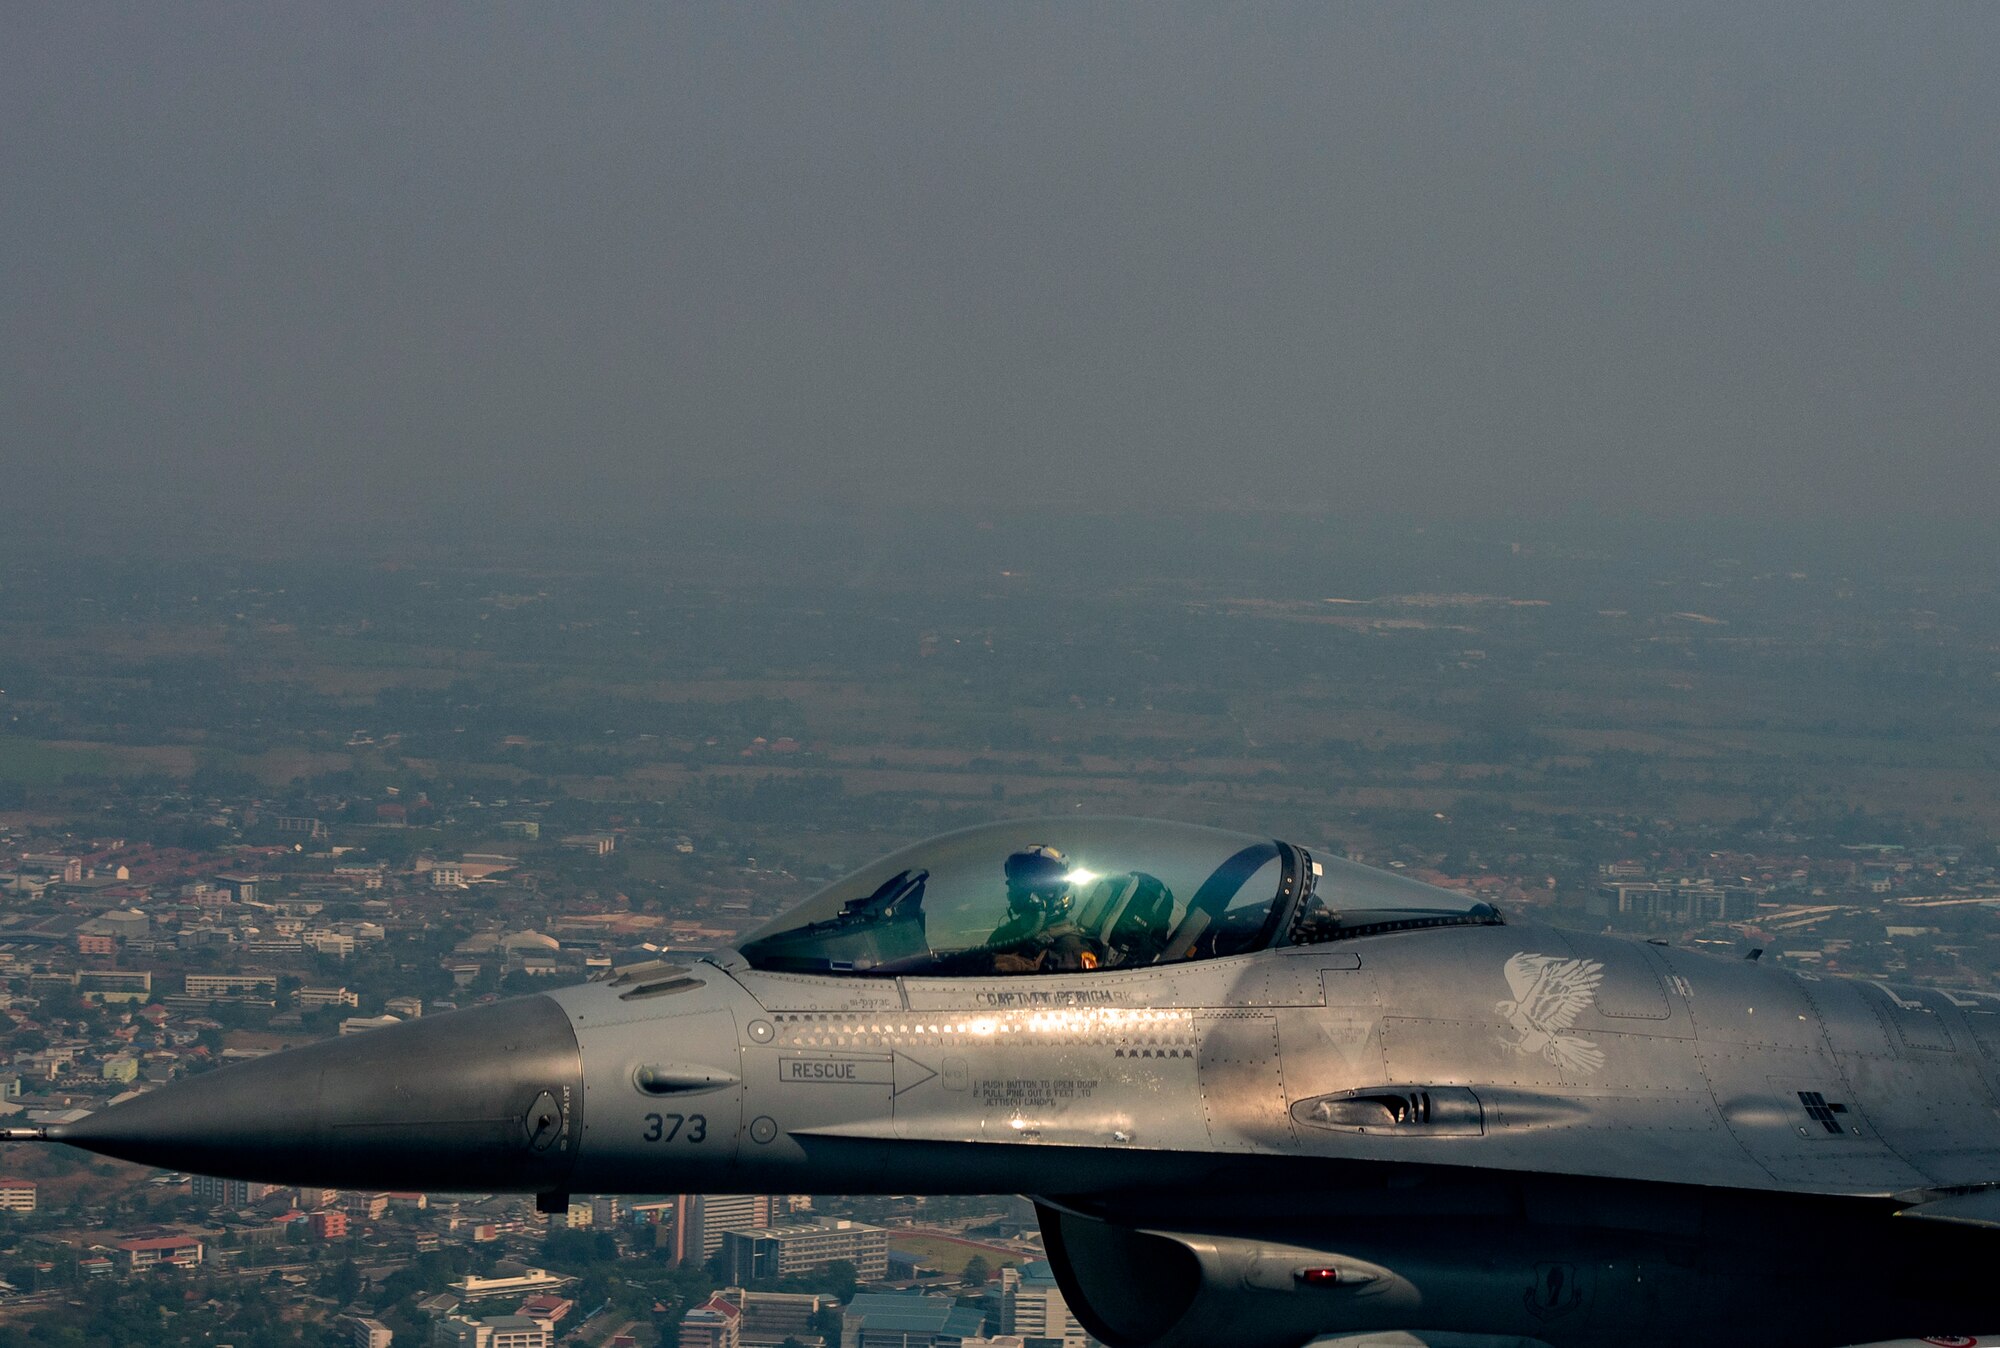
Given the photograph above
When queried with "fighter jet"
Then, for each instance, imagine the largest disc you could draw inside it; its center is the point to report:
(1261, 1095)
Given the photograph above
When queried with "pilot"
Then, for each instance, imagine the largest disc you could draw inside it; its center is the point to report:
(1040, 934)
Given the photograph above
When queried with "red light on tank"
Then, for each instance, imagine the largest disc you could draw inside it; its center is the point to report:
(1318, 1277)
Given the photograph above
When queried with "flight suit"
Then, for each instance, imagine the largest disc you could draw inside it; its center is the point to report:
(1026, 947)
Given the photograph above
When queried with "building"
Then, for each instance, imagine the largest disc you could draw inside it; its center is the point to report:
(548, 1311)
(1032, 1306)
(494, 1331)
(804, 1247)
(363, 1024)
(769, 1318)
(55, 865)
(716, 1323)
(313, 998)
(120, 1067)
(527, 1283)
(17, 1195)
(114, 985)
(714, 1216)
(44, 982)
(529, 943)
(242, 888)
(329, 1224)
(120, 924)
(409, 1008)
(908, 1320)
(51, 1061)
(95, 985)
(210, 1192)
(692, 1225)
(153, 1251)
(89, 944)
(1685, 901)
(369, 1333)
(22, 882)
(214, 986)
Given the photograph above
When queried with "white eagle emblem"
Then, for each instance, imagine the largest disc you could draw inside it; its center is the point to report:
(1549, 994)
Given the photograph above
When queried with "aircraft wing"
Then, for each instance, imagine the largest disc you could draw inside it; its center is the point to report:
(1981, 1207)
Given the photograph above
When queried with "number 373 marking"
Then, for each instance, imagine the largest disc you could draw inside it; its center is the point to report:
(666, 1127)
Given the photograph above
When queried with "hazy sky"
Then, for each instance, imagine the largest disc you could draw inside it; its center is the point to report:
(1664, 258)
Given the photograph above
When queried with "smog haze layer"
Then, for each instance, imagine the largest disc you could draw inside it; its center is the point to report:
(355, 269)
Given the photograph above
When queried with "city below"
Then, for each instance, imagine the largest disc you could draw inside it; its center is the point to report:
(246, 805)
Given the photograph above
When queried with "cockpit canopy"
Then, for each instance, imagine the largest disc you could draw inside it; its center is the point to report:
(1080, 894)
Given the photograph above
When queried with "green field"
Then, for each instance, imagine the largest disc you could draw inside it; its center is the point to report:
(946, 1255)
(31, 763)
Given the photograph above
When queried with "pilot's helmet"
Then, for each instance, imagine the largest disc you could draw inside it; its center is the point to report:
(1038, 877)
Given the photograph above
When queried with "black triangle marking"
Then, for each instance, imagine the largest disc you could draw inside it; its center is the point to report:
(902, 1085)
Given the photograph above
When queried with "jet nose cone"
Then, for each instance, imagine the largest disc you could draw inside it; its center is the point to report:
(485, 1099)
